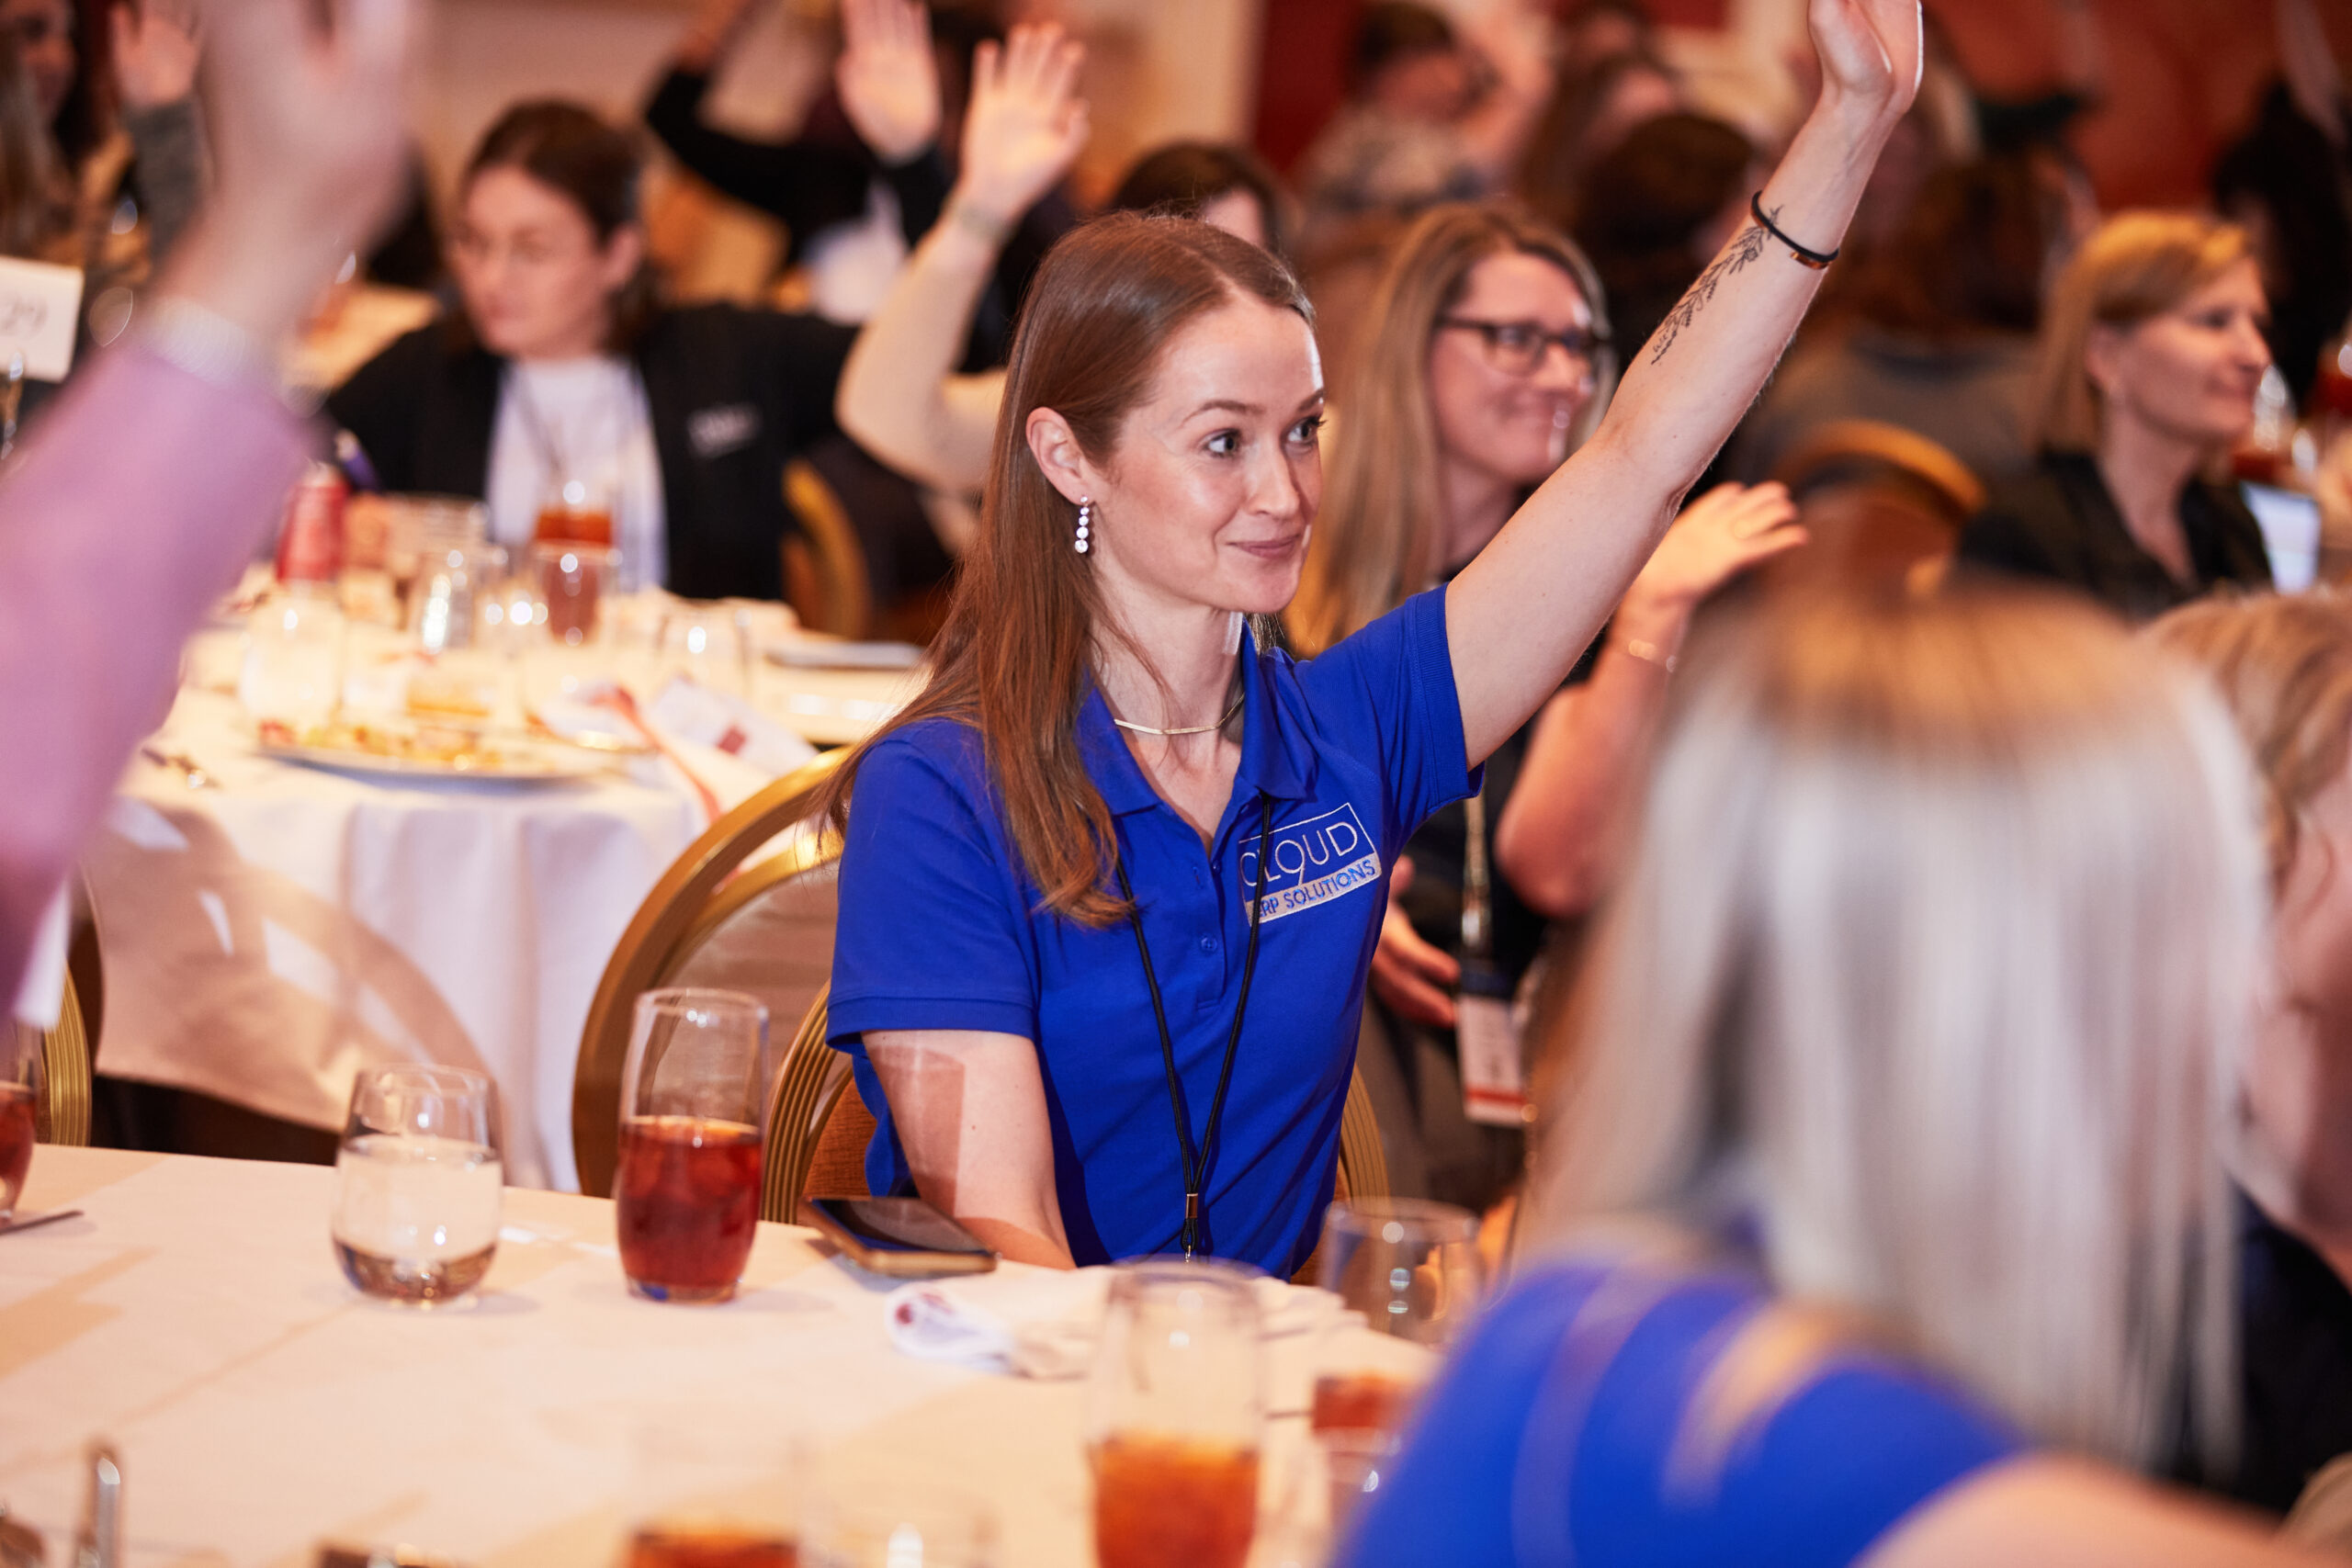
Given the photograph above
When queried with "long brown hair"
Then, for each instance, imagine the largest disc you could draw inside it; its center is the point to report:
(1383, 521)
(1013, 660)
(36, 214)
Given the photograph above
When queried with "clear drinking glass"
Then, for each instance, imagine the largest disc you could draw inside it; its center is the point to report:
(291, 671)
(713, 1487)
(706, 644)
(447, 595)
(20, 1076)
(416, 526)
(1176, 1412)
(687, 1192)
(418, 1183)
(887, 1519)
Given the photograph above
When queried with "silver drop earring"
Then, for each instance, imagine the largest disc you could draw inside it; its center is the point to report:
(1085, 521)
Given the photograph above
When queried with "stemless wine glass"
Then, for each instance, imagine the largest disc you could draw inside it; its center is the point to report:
(1176, 1412)
(572, 580)
(706, 644)
(687, 1191)
(20, 1076)
(418, 1183)
(875, 1518)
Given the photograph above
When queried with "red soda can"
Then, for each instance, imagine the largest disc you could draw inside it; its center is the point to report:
(309, 547)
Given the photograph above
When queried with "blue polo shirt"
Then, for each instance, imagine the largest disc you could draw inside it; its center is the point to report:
(942, 928)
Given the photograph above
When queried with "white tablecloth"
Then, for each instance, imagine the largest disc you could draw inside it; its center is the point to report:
(265, 938)
(195, 1318)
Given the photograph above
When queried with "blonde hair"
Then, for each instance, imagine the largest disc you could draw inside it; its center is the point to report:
(2284, 668)
(2136, 265)
(1940, 933)
(1382, 523)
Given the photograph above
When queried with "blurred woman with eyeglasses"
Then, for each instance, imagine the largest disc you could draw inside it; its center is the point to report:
(1489, 360)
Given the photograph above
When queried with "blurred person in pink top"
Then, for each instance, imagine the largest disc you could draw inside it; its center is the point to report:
(148, 482)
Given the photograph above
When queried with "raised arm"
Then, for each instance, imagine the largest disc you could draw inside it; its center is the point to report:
(899, 396)
(1520, 615)
(969, 1109)
(132, 504)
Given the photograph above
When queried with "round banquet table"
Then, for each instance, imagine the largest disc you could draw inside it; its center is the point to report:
(266, 935)
(194, 1317)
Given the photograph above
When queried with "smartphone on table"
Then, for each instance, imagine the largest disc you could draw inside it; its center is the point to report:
(901, 1237)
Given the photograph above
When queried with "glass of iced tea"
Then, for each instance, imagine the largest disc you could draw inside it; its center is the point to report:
(713, 1487)
(687, 1192)
(20, 1073)
(575, 512)
(572, 580)
(1176, 1406)
(418, 1184)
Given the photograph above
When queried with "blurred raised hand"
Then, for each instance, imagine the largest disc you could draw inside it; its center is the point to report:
(1724, 532)
(1026, 123)
(305, 107)
(156, 45)
(1869, 53)
(889, 76)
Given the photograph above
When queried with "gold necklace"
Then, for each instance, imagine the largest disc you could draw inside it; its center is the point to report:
(1192, 730)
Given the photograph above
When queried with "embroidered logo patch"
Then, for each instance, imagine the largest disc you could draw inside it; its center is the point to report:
(714, 431)
(1312, 862)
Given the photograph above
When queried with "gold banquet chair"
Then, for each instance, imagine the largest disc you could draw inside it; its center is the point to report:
(826, 578)
(62, 1112)
(763, 927)
(818, 1130)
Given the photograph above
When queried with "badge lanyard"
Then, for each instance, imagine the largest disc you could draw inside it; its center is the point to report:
(1196, 1161)
(1494, 1080)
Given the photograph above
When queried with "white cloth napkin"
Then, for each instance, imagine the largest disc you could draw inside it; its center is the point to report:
(1044, 1324)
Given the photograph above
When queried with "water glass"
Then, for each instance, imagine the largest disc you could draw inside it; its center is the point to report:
(21, 1078)
(712, 1486)
(1176, 1409)
(419, 526)
(1412, 1267)
(571, 580)
(446, 596)
(687, 1191)
(292, 667)
(889, 1518)
(418, 1182)
(706, 644)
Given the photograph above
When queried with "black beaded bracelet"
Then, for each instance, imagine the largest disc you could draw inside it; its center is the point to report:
(1813, 259)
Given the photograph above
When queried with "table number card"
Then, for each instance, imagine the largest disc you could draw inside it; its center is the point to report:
(39, 306)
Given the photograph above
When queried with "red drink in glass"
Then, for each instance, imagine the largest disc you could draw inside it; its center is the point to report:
(15, 1144)
(690, 1548)
(1174, 1502)
(688, 1195)
(1360, 1402)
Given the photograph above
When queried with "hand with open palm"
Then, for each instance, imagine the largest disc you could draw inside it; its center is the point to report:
(1026, 123)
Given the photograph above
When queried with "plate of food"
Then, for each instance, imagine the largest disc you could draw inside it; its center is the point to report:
(418, 750)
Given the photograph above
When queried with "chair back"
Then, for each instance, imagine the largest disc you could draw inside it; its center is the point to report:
(765, 928)
(818, 1130)
(1881, 503)
(826, 578)
(62, 1115)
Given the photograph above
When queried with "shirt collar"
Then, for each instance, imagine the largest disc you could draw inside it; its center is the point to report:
(1276, 760)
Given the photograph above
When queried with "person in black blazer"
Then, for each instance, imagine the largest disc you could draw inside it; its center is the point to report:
(562, 377)
(2151, 352)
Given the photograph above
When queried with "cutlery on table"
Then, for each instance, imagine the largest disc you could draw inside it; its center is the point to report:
(181, 763)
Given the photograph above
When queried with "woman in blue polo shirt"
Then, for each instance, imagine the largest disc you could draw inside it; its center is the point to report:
(1111, 885)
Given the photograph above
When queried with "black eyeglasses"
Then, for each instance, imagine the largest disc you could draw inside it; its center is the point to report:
(1519, 347)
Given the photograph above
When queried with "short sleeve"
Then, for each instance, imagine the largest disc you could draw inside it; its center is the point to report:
(1390, 688)
(933, 932)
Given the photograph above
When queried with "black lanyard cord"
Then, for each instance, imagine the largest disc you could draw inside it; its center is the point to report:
(1197, 1163)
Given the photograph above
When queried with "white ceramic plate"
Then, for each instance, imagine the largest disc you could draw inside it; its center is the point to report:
(505, 760)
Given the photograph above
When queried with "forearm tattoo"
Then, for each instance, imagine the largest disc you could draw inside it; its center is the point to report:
(1745, 248)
